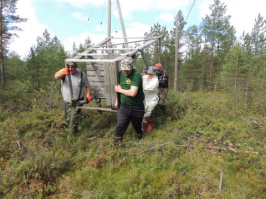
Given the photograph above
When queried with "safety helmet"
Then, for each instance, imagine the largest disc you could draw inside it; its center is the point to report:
(74, 64)
(151, 70)
(127, 64)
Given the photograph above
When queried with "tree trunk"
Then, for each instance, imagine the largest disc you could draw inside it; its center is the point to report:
(211, 68)
(2, 50)
(2, 69)
(235, 78)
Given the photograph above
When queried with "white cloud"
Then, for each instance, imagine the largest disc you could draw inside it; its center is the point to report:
(137, 29)
(242, 12)
(132, 31)
(80, 39)
(84, 4)
(166, 17)
(31, 29)
(80, 16)
(243, 17)
(149, 6)
(101, 28)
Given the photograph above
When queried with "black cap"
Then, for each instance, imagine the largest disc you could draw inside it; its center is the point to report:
(145, 68)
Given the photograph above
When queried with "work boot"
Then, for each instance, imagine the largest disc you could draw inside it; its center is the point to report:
(139, 136)
(149, 125)
(118, 141)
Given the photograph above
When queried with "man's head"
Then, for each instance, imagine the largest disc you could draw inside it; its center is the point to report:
(127, 66)
(158, 67)
(145, 69)
(72, 66)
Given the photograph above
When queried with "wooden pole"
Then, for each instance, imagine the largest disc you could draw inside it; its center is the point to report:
(176, 53)
(122, 23)
(109, 21)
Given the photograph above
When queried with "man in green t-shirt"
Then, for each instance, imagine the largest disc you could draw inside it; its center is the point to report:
(132, 100)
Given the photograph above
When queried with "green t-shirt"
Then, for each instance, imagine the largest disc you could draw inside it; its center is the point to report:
(134, 79)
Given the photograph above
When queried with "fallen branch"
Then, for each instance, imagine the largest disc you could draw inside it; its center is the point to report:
(91, 138)
(221, 181)
(18, 144)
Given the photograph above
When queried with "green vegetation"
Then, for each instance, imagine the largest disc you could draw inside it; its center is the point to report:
(199, 136)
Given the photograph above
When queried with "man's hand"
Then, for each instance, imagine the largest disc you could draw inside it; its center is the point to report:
(88, 96)
(118, 88)
(64, 71)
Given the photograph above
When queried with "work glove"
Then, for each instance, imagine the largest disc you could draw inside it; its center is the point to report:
(88, 96)
(64, 71)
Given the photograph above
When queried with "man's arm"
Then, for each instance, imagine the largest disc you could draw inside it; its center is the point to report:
(88, 90)
(58, 75)
(132, 92)
(61, 73)
(152, 85)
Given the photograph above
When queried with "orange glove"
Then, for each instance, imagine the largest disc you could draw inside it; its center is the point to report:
(64, 71)
(88, 96)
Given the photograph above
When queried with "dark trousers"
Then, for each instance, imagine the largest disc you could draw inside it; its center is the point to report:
(127, 114)
(71, 113)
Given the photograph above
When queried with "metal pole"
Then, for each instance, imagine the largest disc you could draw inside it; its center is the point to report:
(176, 53)
(122, 23)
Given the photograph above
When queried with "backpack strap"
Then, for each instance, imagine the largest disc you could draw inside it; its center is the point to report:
(81, 76)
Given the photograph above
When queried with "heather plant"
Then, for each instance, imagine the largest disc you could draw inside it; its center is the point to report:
(202, 146)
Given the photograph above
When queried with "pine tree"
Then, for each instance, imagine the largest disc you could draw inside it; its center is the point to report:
(192, 72)
(219, 38)
(7, 18)
(45, 59)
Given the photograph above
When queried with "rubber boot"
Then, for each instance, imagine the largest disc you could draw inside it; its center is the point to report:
(118, 141)
(149, 128)
(139, 136)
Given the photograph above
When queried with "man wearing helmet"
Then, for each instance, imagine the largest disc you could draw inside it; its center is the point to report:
(150, 89)
(132, 98)
(163, 84)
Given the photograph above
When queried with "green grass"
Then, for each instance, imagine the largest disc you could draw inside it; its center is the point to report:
(197, 137)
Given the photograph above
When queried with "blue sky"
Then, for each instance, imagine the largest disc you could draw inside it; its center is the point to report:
(68, 19)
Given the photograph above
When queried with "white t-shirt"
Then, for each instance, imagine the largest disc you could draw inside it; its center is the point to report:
(150, 87)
